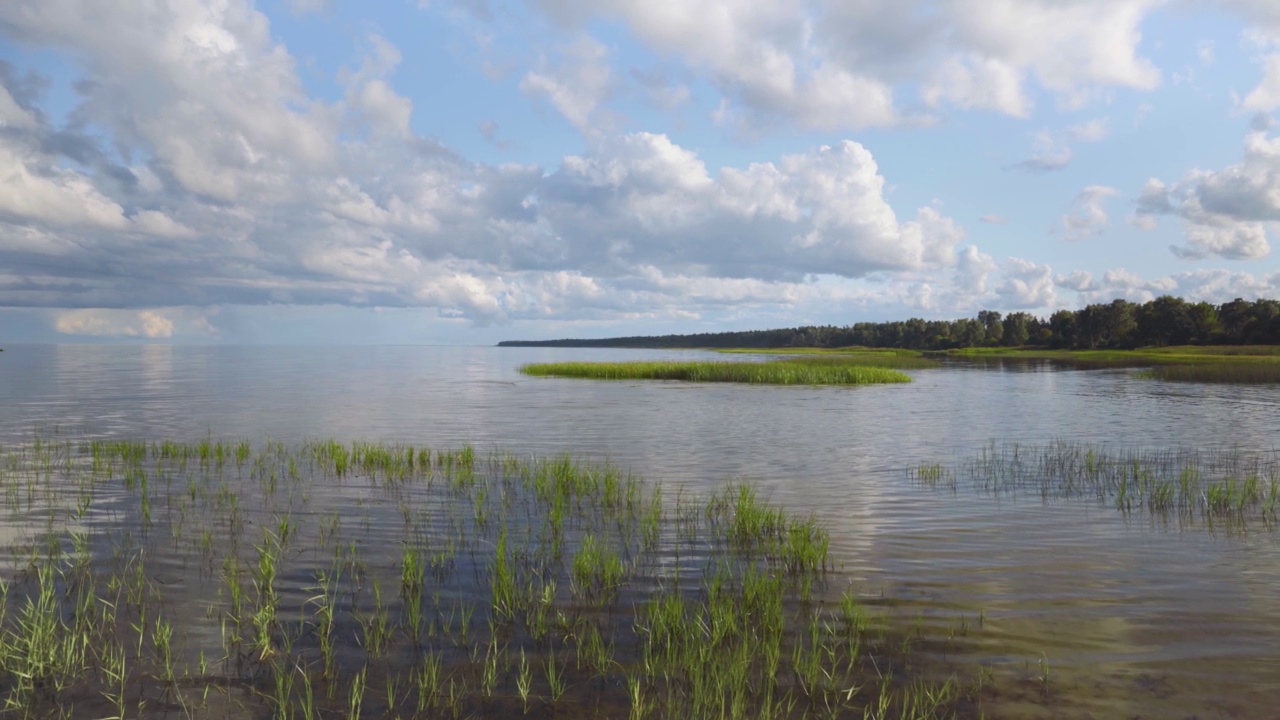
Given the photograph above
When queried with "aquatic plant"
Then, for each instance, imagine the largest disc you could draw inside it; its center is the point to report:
(1215, 487)
(522, 585)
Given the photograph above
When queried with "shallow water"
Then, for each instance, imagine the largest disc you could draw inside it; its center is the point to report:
(1128, 615)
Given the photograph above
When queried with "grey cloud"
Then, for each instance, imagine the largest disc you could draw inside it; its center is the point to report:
(1042, 164)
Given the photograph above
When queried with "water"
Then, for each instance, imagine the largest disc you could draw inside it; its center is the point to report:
(1128, 616)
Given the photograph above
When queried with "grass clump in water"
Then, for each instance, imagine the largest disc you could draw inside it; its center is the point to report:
(758, 373)
(1215, 488)
(383, 581)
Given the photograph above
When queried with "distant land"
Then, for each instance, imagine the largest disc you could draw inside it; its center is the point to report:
(1120, 324)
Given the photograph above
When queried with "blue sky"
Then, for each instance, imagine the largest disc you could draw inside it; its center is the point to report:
(425, 172)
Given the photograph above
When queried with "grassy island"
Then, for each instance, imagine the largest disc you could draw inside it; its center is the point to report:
(779, 372)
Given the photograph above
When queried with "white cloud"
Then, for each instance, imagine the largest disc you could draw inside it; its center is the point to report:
(978, 82)
(202, 87)
(1231, 240)
(1265, 97)
(1091, 131)
(1048, 154)
(1088, 216)
(834, 65)
(1205, 51)
(641, 199)
(33, 189)
(158, 323)
(972, 270)
(153, 222)
(576, 85)
(370, 97)
(1054, 151)
(1026, 285)
(205, 174)
(1078, 280)
(248, 192)
(1210, 285)
(993, 219)
(1225, 213)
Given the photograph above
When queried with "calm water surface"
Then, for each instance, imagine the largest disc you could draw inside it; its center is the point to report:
(1132, 618)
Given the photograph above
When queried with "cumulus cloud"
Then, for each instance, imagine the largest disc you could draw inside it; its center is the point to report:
(196, 170)
(158, 323)
(1225, 213)
(1078, 280)
(1026, 285)
(575, 84)
(972, 270)
(219, 181)
(833, 65)
(1088, 216)
(1265, 96)
(641, 199)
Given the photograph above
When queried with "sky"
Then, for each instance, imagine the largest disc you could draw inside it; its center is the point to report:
(415, 171)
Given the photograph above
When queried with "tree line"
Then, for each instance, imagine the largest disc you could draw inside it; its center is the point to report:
(1119, 324)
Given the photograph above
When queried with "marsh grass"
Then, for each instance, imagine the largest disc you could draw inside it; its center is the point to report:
(1219, 488)
(381, 581)
(806, 371)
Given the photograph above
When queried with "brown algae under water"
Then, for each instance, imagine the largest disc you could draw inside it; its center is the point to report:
(227, 580)
(367, 580)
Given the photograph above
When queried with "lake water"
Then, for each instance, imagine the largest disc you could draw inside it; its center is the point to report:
(1131, 617)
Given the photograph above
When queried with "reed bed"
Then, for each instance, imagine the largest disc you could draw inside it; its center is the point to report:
(782, 372)
(157, 579)
(1214, 488)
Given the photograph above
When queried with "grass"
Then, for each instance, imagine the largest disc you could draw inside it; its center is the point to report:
(1208, 488)
(366, 580)
(765, 373)
(1245, 364)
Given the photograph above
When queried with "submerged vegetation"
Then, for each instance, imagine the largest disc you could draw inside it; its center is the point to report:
(794, 371)
(331, 580)
(1215, 488)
